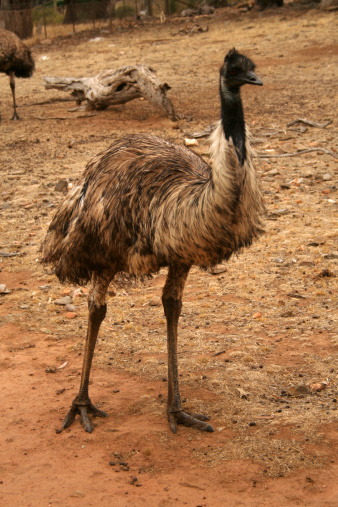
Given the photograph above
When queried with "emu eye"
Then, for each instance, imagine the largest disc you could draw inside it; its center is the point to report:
(233, 72)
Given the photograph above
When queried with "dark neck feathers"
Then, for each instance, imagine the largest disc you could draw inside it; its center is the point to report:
(232, 116)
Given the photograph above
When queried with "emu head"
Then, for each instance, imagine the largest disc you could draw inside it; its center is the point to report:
(237, 70)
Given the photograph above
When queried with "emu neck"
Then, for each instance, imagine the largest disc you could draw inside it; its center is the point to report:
(233, 120)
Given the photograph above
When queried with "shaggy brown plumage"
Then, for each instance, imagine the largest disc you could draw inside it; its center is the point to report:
(145, 203)
(15, 61)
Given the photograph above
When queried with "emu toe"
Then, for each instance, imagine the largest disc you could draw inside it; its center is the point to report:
(196, 421)
(83, 411)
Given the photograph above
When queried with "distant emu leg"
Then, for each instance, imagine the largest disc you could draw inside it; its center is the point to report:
(97, 311)
(172, 303)
(12, 85)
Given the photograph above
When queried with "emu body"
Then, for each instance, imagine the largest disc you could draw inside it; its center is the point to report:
(15, 61)
(145, 203)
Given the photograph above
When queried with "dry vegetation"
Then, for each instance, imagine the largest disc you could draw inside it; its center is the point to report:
(257, 342)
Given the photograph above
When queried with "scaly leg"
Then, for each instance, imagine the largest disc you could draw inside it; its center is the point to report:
(172, 303)
(97, 311)
(12, 85)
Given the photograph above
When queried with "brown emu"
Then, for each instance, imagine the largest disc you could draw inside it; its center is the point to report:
(15, 61)
(145, 203)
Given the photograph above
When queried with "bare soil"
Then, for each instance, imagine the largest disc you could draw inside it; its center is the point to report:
(257, 342)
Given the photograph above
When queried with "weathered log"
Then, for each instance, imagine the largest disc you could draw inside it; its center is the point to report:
(114, 87)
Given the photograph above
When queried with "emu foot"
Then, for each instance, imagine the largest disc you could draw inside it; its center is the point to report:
(83, 409)
(196, 421)
(15, 117)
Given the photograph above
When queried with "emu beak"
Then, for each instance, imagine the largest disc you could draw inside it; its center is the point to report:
(251, 78)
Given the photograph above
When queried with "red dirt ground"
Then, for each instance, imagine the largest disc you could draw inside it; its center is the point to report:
(271, 316)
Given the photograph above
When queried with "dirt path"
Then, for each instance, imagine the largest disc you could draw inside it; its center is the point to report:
(258, 342)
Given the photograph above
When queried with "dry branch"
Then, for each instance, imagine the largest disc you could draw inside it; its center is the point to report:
(311, 123)
(322, 150)
(114, 87)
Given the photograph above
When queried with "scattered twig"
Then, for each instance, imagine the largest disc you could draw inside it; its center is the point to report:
(295, 295)
(218, 353)
(300, 129)
(309, 150)
(7, 254)
(311, 123)
(87, 115)
(204, 133)
(50, 101)
(51, 117)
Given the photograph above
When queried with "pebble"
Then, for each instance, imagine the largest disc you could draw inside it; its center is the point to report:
(63, 301)
(155, 301)
(273, 172)
(327, 177)
(190, 142)
(3, 289)
(70, 315)
(282, 211)
(61, 186)
(70, 308)
(219, 268)
(44, 288)
(6, 205)
(278, 260)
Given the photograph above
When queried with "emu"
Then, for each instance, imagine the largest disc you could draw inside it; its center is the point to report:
(145, 203)
(15, 60)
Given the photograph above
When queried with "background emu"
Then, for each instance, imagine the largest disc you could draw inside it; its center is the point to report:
(15, 61)
(145, 203)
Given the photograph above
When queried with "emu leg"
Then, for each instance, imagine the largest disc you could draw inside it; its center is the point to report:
(172, 303)
(81, 404)
(12, 85)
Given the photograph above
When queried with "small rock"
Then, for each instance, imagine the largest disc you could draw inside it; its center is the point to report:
(190, 142)
(3, 289)
(78, 494)
(300, 390)
(257, 315)
(6, 205)
(61, 186)
(331, 256)
(70, 308)
(44, 288)
(317, 386)
(63, 301)
(51, 369)
(219, 268)
(327, 177)
(282, 211)
(155, 301)
(273, 172)
(70, 315)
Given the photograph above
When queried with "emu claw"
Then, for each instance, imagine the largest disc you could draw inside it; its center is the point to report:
(196, 421)
(83, 410)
